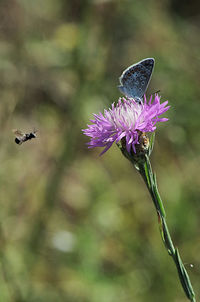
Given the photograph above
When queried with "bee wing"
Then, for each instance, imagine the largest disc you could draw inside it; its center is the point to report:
(35, 130)
(19, 134)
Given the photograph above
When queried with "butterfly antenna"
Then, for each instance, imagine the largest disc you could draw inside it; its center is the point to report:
(158, 91)
(148, 95)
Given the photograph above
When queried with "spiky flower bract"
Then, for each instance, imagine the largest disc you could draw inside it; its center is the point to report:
(126, 120)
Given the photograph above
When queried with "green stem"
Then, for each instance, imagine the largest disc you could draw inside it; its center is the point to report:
(141, 162)
(144, 168)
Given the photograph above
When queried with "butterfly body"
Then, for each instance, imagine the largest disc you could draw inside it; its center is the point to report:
(135, 79)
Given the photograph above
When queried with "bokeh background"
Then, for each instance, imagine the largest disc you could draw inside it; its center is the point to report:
(75, 226)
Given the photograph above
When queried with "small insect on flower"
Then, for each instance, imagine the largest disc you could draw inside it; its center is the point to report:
(21, 137)
(143, 141)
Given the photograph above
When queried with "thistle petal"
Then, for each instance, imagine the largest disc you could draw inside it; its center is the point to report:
(126, 119)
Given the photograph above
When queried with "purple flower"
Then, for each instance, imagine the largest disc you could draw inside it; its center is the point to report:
(126, 120)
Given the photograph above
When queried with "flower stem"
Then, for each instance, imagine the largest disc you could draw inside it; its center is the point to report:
(142, 163)
(150, 180)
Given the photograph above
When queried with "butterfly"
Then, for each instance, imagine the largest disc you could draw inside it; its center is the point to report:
(135, 79)
(21, 137)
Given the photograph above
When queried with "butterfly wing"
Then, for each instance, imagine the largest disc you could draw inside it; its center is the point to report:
(135, 79)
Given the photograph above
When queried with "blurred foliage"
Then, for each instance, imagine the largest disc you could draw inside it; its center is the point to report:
(75, 226)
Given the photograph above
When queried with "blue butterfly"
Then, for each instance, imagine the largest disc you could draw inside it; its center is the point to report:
(135, 79)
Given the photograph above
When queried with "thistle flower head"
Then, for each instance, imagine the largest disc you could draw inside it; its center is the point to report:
(127, 119)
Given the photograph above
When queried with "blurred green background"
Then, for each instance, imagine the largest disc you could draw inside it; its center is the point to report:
(75, 226)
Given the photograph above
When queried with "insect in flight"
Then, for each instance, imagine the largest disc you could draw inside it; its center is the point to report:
(21, 137)
(135, 79)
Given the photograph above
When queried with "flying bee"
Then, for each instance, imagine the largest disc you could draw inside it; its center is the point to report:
(21, 137)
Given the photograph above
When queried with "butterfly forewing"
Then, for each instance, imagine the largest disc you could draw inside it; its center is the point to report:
(135, 79)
